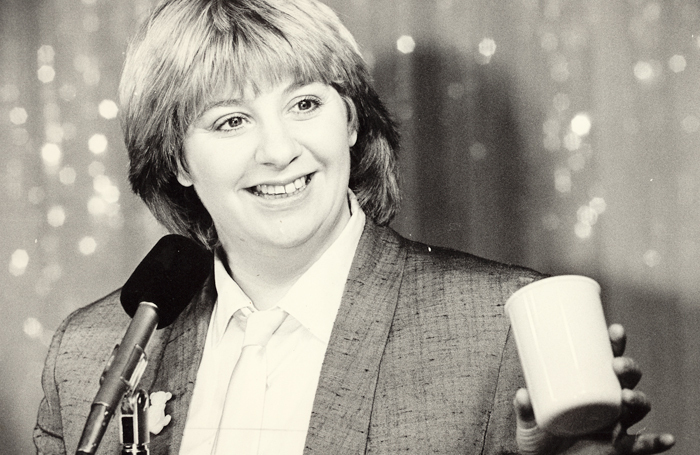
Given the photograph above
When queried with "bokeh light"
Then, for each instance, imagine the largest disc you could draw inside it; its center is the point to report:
(51, 154)
(18, 116)
(478, 151)
(108, 109)
(652, 258)
(33, 328)
(487, 47)
(690, 124)
(54, 133)
(581, 124)
(9, 93)
(45, 54)
(96, 168)
(56, 216)
(87, 246)
(106, 189)
(19, 262)
(46, 73)
(562, 180)
(67, 175)
(97, 206)
(646, 71)
(677, 63)
(97, 143)
(405, 44)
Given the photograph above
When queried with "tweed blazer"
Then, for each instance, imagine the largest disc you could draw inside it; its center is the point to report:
(420, 359)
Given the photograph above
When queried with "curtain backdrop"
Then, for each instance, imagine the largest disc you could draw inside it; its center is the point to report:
(563, 135)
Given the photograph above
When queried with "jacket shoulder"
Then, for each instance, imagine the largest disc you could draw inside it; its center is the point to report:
(88, 339)
(449, 333)
(105, 311)
(454, 266)
(92, 328)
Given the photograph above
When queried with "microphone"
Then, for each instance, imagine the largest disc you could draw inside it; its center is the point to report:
(155, 294)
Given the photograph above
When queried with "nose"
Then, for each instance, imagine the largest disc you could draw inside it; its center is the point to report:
(277, 147)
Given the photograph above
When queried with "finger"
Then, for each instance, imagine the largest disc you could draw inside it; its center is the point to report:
(530, 438)
(635, 406)
(644, 444)
(523, 410)
(618, 339)
(627, 371)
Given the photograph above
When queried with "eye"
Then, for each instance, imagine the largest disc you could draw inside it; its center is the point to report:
(231, 123)
(307, 104)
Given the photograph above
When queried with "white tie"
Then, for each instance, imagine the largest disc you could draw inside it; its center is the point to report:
(241, 421)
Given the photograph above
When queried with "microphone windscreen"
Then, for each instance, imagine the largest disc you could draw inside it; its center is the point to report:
(169, 277)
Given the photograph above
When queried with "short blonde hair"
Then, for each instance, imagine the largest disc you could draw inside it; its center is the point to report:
(189, 50)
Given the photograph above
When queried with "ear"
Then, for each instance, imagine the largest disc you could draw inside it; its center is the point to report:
(352, 137)
(352, 121)
(183, 177)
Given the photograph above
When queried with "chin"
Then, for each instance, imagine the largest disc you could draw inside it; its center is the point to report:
(287, 238)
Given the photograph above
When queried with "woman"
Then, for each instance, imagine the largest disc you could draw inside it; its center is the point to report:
(252, 128)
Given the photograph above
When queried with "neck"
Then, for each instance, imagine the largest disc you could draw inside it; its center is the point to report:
(266, 279)
(266, 274)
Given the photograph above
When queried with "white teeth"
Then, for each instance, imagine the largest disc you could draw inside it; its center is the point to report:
(289, 188)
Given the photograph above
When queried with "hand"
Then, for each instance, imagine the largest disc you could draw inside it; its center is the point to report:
(615, 441)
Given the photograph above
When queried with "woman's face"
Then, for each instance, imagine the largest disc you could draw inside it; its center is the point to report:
(273, 169)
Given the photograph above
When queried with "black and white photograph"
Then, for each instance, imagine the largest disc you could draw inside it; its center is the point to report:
(341, 227)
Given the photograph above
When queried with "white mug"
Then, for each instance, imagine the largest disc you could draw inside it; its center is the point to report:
(565, 353)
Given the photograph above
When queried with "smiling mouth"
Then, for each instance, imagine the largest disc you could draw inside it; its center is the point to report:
(279, 191)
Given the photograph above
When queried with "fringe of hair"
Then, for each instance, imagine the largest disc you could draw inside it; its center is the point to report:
(191, 50)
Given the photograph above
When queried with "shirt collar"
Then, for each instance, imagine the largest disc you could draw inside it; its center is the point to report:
(314, 299)
(231, 298)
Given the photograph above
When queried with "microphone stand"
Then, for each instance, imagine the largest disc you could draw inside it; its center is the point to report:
(133, 424)
(120, 378)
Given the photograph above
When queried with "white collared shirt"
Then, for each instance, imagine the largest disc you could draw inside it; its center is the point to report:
(295, 352)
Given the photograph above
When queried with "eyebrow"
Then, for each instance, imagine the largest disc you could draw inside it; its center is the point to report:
(232, 101)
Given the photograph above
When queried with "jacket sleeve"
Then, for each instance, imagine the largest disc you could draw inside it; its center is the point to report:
(48, 432)
(500, 435)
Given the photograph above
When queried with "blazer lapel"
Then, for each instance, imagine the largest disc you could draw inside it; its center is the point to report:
(344, 398)
(343, 403)
(178, 367)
